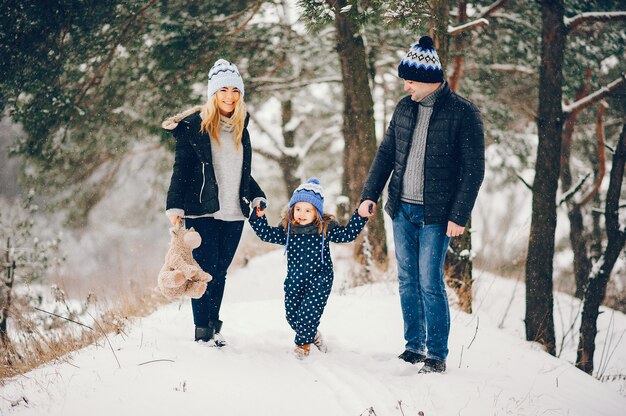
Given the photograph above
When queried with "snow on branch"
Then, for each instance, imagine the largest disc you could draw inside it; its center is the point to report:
(270, 135)
(456, 30)
(513, 68)
(487, 11)
(297, 83)
(594, 97)
(571, 24)
(521, 69)
(315, 138)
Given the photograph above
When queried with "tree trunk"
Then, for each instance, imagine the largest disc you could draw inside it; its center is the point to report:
(6, 289)
(596, 288)
(539, 301)
(458, 263)
(577, 235)
(289, 165)
(440, 12)
(358, 130)
(458, 268)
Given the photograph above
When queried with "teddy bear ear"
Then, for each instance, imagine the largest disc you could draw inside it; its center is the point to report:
(192, 239)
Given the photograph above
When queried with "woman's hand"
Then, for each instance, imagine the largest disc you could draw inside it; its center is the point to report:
(175, 219)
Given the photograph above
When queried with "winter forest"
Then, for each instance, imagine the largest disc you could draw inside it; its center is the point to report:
(536, 283)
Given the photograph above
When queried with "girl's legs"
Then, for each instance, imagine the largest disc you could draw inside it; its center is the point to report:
(305, 300)
(219, 244)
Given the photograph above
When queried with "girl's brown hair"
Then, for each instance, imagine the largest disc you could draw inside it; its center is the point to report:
(211, 120)
(320, 221)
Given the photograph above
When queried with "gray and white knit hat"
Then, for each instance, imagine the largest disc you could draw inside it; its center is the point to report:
(421, 63)
(224, 74)
(310, 192)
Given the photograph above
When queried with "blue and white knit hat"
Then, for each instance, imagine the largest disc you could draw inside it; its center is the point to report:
(310, 192)
(224, 74)
(421, 63)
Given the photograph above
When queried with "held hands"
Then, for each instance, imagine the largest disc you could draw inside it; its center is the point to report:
(260, 209)
(367, 209)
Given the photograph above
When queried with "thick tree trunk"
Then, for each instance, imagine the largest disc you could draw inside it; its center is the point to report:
(539, 267)
(358, 131)
(596, 288)
(458, 264)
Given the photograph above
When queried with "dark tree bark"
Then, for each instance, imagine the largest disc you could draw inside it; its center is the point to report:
(598, 279)
(6, 291)
(458, 263)
(577, 235)
(289, 164)
(539, 300)
(358, 129)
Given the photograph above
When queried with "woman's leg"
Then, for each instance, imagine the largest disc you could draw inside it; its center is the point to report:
(219, 244)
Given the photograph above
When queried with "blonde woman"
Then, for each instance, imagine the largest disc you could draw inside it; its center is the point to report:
(212, 188)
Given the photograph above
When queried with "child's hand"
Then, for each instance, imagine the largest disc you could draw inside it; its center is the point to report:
(260, 209)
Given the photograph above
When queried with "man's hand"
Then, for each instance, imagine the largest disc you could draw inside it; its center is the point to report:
(454, 230)
(367, 209)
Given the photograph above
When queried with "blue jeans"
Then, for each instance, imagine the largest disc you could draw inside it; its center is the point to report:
(420, 254)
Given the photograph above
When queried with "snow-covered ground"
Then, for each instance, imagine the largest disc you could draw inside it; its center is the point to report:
(491, 369)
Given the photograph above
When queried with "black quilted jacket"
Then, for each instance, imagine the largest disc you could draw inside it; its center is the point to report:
(454, 163)
(193, 186)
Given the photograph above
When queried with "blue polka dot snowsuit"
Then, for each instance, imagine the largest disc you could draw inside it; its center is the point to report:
(309, 268)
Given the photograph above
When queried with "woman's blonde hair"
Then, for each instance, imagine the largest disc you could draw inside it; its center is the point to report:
(211, 120)
(320, 221)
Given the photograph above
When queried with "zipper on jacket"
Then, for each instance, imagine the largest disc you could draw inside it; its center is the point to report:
(203, 182)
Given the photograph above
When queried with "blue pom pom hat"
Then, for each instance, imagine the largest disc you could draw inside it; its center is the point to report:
(311, 192)
(421, 63)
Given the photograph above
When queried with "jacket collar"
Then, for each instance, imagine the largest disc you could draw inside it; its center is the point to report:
(171, 123)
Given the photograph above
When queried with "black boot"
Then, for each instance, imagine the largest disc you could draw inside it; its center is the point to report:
(217, 336)
(204, 333)
(412, 357)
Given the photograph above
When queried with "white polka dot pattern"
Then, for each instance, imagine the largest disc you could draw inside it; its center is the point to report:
(309, 279)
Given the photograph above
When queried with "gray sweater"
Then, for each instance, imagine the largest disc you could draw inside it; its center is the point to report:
(413, 181)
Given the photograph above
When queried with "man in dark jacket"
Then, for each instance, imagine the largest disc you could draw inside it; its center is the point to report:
(434, 152)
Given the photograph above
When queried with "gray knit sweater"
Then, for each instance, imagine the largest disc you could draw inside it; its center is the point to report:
(413, 181)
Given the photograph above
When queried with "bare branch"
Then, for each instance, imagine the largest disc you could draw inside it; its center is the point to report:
(529, 186)
(601, 155)
(594, 97)
(297, 83)
(525, 70)
(489, 10)
(515, 19)
(266, 154)
(268, 133)
(571, 24)
(315, 138)
(474, 24)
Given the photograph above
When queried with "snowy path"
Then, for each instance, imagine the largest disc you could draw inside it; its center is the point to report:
(500, 374)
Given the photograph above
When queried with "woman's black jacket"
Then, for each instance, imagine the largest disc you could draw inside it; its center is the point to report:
(193, 186)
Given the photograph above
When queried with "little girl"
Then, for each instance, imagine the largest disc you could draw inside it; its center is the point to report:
(305, 232)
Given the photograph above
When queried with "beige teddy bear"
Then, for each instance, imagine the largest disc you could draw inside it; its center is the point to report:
(181, 274)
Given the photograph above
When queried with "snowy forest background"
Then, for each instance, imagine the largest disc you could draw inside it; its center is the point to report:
(84, 164)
